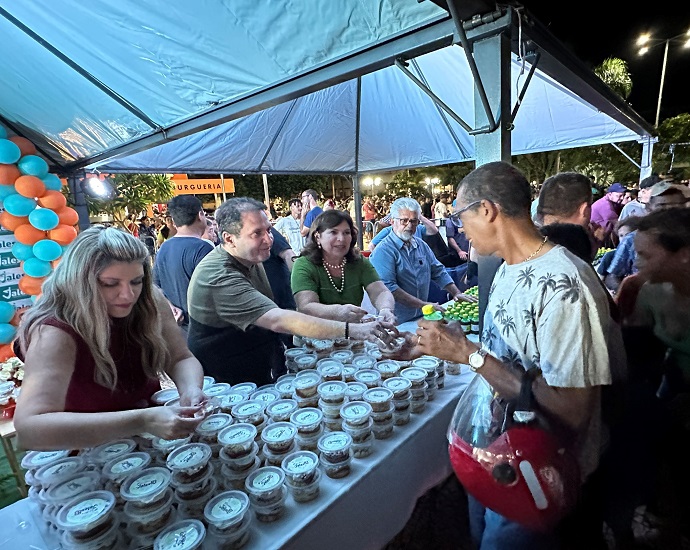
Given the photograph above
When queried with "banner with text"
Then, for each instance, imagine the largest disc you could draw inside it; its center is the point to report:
(10, 273)
(203, 186)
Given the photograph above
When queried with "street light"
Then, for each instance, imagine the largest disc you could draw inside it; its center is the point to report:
(646, 42)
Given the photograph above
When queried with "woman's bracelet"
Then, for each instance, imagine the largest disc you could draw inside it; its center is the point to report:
(347, 330)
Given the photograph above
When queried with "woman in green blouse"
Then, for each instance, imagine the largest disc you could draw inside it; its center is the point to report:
(330, 276)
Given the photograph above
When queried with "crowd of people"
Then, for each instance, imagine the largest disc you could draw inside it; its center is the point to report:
(223, 296)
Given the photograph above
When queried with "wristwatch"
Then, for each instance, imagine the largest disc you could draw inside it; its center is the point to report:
(476, 359)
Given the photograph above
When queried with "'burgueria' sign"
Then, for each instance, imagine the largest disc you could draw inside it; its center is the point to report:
(203, 186)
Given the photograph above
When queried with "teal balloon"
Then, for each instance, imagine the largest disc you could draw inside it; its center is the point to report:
(6, 190)
(6, 312)
(17, 205)
(44, 219)
(34, 267)
(22, 251)
(52, 182)
(47, 250)
(3, 132)
(33, 165)
(7, 333)
(9, 152)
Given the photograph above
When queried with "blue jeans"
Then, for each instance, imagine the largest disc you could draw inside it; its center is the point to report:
(491, 531)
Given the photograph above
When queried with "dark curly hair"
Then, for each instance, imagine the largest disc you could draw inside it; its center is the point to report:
(328, 220)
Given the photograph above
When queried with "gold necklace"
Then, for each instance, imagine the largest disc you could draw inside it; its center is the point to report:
(537, 251)
(342, 278)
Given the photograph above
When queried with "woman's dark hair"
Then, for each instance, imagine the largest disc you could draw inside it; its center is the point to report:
(670, 226)
(571, 236)
(328, 220)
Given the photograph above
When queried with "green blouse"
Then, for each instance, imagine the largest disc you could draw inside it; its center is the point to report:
(358, 275)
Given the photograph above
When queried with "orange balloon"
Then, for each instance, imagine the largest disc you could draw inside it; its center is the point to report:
(62, 234)
(68, 216)
(25, 146)
(9, 173)
(28, 234)
(8, 221)
(30, 285)
(30, 186)
(6, 352)
(53, 200)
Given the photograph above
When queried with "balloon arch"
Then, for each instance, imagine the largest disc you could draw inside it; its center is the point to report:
(36, 211)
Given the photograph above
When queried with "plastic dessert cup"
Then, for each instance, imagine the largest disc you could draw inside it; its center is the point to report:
(335, 446)
(187, 534)
(146, 489)
(378, 398)
(281, 409)
(279, 436)
(87, 515)
(307, 420)
(238, 439)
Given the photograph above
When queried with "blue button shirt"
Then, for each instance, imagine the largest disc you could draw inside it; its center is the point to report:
(408, 267)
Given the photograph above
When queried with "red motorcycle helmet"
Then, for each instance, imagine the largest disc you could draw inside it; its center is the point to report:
(525, 474)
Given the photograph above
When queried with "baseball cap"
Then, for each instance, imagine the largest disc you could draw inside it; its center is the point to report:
(616, 188)
(665, 186)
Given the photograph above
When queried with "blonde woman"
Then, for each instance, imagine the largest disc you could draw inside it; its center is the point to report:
(94, 345)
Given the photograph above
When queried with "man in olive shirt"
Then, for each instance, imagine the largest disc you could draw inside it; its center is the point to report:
(234, 322)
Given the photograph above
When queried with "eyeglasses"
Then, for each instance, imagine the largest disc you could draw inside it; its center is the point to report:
(455, 216)
(405, 221)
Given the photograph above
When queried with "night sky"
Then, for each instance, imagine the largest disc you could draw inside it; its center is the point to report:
(594, 31)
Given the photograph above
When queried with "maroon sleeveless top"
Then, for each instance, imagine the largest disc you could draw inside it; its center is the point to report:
(133, 389)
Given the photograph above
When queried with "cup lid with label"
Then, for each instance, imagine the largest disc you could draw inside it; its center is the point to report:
(266, 395)
(363, 361)
(226, 509)
(397, 384)
(247, 409)
(264, 479)
(208, 380)
(58, 471)
(147, 485)
(281, 407)
(306, 417)
(306, 379)
(237, 434)
(213, 424)
(186, 534)
(427, 363)
(322, 345)
(377, 395)
(355, 411)
(328, 362)
(122, 466)
(332, 389)
(191, 456)
(305, 360)
(342, 355)
(232, 398)
(161, 444)
(414, 374)
(35, 459)
(108, 451)
(387, 366)
(300, 462)
(334, 441)
(368, 376)
(161, 397)
(245, 387)
(278, 432)
(86, 511)
(76, 484)
(218, 388)
(356, 388)
(292, 353)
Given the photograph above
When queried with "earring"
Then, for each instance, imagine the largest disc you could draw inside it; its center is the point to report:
(318, 244)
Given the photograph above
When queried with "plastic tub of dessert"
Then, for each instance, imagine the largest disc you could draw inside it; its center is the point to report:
(309, 442)
(383, 430)
(142, 541)
(87, 516)
(161, 397)
(281, 409)
(190, 463)
(329, 369)
(306, 383)
(228, 519)
(146, 522)
(187, 534)
(116, 470)
(356, 413)
(240, 463)
(77, 484)
(192, 505)
(343, 355)
(227, 401)
(234, 479)
(342, 343)
(208, 380)
(247, 388)
(302, 475)
(355, 390)
(369, 377)
(267, 492)
(321, 347)
(279, 436)
(217, 389)
(305, 361)
(208, 430)
(357, 346)
(402, 416)
(113, 449)
(284, 385)
(399, 386)
(416, 376)
(335, 447)
(110, 539)
(33, 460)
(307, 420)
(349, 373)
(266, 395)
(337, 470)
(250, 412)
(426, 362)
(383, 416)
(163, 447)
(59, 470)
(419, 392)
(363, 361)
(332, 392)
(238, 440)
(146, 489)
(271, 458)
(379, 399)
(364, 447)
(388, 368)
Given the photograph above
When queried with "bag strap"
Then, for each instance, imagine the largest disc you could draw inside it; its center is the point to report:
(524, 406)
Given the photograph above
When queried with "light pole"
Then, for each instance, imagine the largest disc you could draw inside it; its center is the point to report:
(646, 42)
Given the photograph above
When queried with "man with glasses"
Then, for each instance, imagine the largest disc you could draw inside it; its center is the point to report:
(407, 265)
(546, 310)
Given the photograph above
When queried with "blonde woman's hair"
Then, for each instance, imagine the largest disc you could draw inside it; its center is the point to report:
(71, 295)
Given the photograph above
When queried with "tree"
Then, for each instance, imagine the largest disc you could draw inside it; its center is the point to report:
(614, 72)
(134, 193)
(284, 186)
